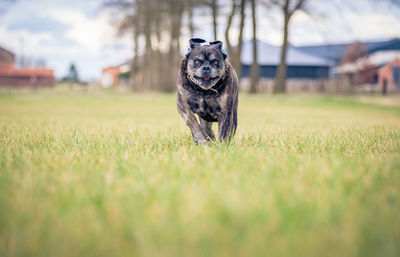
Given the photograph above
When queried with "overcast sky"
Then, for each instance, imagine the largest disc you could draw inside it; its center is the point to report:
(66, 31)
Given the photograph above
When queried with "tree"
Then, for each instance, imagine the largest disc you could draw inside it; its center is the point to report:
(213, 5)
(288, 8)
(214, 8)
(353, 52)
(190, 7)
(254, 75)
(149, 21)
(229, 25)
(72, 75)
(131, 22)
(236, 58)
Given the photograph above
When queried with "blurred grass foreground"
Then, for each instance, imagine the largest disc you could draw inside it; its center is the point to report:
(119, 175)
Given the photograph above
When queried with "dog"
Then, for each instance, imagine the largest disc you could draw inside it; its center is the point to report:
(208, 86)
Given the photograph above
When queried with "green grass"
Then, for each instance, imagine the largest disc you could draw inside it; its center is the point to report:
(114, 175)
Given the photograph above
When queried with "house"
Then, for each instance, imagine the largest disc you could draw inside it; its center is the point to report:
(305, 72)
(357, 64)
(368, 62)
(11, 76)
(335, 52)
(112, 76)
(389, 76)
(378, 68)
(109, 76)
(6, 59)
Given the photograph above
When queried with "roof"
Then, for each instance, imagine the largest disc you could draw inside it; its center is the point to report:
(270, 55)
(110, 69)
(382, 57)
(123, 67)
(375, 59)
(335, 51)
(40, 72)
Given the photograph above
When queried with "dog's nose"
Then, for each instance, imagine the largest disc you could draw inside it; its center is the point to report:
(206, 69)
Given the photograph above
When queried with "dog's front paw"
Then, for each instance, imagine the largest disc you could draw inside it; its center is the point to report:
(202, 139)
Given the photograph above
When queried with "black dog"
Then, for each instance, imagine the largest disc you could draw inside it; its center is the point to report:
(208, 86)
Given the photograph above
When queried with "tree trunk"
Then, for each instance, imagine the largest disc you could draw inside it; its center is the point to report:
(280, 80)
(159, 67)
(147, 63)
(176, 18)
(214, 8)
(254, 67)
(135, 65)
(174, 49)
(191, 24)
(228, 27)
(236, 60)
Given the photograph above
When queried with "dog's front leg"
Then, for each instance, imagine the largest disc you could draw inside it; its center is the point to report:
(227, 123)
(199, 136)
(207, 127)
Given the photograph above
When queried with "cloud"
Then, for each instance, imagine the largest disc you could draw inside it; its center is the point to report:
(91, 33)
(63, 32)
(358, 20)
(37, 24)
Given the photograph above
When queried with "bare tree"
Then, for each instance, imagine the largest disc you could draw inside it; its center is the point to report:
(288, 8)
(149, 21)
(131, 22)
(229, 25)
(254, 76)
(354, 51)
(175, 12)
(236, 56)
(214, 8)
(190, 8)
(213, 5)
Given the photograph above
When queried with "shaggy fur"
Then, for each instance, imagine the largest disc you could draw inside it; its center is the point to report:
(212, 99)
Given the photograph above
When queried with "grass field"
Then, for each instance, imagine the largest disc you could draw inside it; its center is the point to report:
(115, 175)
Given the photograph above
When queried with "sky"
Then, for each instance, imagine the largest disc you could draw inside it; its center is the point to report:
(70, 31)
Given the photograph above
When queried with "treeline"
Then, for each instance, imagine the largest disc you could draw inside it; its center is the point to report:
(158, 26)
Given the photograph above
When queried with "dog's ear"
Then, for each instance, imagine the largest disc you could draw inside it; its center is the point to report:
(194, 42)
(218, 44)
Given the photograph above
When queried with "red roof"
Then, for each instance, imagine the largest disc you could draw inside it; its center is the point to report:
(39, 72)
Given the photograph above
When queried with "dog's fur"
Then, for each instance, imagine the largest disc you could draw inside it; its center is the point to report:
(208, 86)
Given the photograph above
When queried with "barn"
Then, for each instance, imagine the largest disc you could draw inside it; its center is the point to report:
(11, 76)
(305, 72)
(372, 69)
(335, 52)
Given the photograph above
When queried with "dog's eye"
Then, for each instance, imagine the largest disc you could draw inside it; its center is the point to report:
(215, 62)
(197, 61)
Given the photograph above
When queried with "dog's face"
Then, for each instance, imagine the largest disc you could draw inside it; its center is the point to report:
(206, 64)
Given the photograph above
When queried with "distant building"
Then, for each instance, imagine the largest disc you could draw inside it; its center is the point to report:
(380, 68)
(109, 76)
(389, 76)
(112, 76)
(7, 59)
(10, 76)
(305, 72)
(365, 71)
(335, 52)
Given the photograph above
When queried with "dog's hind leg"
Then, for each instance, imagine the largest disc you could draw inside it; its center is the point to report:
(207, 127)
